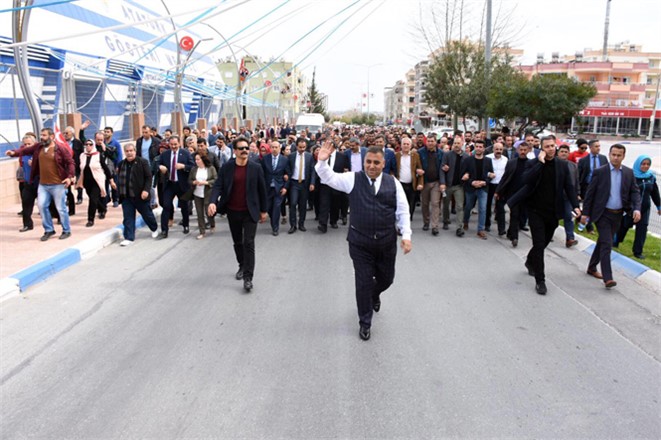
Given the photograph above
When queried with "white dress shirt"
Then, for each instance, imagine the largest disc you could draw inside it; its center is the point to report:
(498, 167)
(345, 181)
(405, 169)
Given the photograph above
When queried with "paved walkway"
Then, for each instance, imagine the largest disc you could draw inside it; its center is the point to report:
(21, 250)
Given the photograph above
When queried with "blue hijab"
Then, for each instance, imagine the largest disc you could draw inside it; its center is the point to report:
(636, 168)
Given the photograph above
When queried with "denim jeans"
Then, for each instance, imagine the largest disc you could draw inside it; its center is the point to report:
(58, 194)
(129, 206)
(479, 196)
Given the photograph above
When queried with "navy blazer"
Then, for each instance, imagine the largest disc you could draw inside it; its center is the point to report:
(183, 156)
(363, 152)
(424, 159)
(469, 166)
(584, 172)
(564, 185)
(255, 188)
(308, 167)
(276, 175)
(391, 162)
(599, 190)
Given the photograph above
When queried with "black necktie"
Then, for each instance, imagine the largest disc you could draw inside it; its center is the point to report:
(329, 161)
(373, 186)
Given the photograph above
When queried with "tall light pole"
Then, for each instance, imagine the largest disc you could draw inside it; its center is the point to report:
(487, 60)
(368, 86)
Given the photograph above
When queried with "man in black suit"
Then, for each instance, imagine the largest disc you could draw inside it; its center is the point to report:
(276, 167)
(510, 183)
(301, 182)
(240, 192)
(612, 192)
(175, 164)
(546, 181)
(330, 200)
(480, 172)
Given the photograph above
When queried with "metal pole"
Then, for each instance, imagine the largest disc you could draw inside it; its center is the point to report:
(20, 20)
(368, 92)
(650, 133)
(604, 53)
(487, 59)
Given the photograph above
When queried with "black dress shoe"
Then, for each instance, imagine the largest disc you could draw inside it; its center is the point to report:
(334, 225)
(79, 202)
(275, 233)
(302, 228)
(376, 305)
(247, 285)
(47, 235)
(364, 333)
(89, 224)
(181, 223)
(515, 242)
(344, 221)
(445, 226)
(425, 227)
(525, 228)
(541, 288)
(102, 215)
(291, 230)
(19, 213)
(163, 235)
(530, 271)
(434, 231)
(239, 274)
(26, 228)
(639, 256)
(186, 230)
(65, 235)
(322, 228)
(460, 232)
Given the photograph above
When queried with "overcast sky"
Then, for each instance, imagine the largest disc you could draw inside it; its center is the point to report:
(386, 32)
(353, 34)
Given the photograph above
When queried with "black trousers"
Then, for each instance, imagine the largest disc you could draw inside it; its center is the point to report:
(95, 201)
(329, 204)
(410, 196)
(542, 227)
(516, 221)
(492, 190)
(607, 225)
(28, 197)
(374, 271)
(170, 191)
(243, 230)
(298, 202)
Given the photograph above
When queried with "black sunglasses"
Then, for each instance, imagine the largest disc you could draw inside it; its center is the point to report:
(242, 148)
(89, 143)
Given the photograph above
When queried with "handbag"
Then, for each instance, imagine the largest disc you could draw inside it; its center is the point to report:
(20, 174)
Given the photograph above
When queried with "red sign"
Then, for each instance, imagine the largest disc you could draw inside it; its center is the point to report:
(615, 112)
(268, 83)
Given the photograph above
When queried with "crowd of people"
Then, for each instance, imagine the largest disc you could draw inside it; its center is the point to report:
(451, 177)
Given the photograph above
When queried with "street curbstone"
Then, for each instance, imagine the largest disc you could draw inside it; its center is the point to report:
(8, 288)
(47, 268)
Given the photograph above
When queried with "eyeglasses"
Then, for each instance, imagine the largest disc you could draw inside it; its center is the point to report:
(89, 143)
(242, 148)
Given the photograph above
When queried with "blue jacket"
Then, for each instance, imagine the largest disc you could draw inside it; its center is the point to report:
(276, 175)
(363, 152)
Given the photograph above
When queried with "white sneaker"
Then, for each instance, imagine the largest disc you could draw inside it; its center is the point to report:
(154, 234)
(126, 243)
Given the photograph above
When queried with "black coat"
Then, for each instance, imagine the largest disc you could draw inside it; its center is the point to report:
(598, 193)
(470, 167)
(506, 188)
(255, 188)
(564, 186)
(584, 172)
(140, 176)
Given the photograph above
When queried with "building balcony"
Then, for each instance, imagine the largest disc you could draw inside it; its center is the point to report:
(619, 87)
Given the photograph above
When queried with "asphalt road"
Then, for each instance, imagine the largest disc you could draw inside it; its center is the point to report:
(159, 341)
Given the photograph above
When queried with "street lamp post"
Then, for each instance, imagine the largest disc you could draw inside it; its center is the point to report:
(368, 86)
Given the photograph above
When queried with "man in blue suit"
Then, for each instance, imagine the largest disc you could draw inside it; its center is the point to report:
(355, 155)
(175, 164)
(275, 166)
(391, 162)
(301, 182)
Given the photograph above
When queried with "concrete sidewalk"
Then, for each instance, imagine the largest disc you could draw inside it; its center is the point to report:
(25, 260)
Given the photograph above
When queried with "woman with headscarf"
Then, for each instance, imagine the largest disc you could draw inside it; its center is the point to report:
(649, 192)
(93, 175)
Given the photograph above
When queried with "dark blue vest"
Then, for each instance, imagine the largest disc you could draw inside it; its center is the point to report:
(373, 220)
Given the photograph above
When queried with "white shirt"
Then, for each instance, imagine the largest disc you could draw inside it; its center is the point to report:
(201, 175)
(345, 181)
(356, 161)
(405, 169)
(299, 163)
(498, 167)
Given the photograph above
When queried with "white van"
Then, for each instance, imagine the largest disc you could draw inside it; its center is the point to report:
(314, 122)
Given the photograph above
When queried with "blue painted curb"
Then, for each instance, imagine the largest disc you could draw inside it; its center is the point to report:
(632, 268)
(47, 268)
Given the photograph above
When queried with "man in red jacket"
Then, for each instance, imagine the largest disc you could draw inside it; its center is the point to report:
(54, 168)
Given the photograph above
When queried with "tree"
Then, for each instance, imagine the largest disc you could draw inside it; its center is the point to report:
(315, 98)
(547, 99)
(457, 79)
